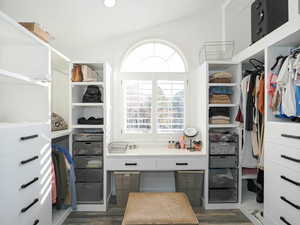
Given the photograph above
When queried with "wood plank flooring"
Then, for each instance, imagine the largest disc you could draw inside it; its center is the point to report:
(114, 216)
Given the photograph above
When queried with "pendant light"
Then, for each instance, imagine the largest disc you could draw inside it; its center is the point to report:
(109, 3)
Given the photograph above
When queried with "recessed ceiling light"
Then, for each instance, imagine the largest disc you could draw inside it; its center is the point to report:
(109, 3)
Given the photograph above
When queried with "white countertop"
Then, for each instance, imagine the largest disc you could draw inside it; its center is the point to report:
(158, 151)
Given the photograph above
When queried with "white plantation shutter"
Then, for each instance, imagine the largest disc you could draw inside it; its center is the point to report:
(138, 106)
(170, 106)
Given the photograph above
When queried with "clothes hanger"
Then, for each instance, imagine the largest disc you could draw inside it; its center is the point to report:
(277, 61)
(257, 64)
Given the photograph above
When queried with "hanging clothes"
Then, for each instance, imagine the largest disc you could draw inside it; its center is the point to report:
(71, 197)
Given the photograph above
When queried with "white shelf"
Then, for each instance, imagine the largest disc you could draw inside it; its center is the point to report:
(223, 105)
(59, 216)
(61, 133)
(224, 125)
(249, 176)
(249, 206)
(87, 104)
(87, 126)
(222, 84)
(11, 77)
(87, 83)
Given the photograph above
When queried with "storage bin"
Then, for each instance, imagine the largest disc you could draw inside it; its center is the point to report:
(223, 148)
(88, 137)
(88, 148)
(223, 196)
(223, 161)
(89, 192)
(89, 175)
(223, 178)
(126, 182)
(191, 183)
(88, 162)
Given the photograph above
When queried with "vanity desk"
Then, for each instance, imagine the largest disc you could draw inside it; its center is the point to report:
(156, 159)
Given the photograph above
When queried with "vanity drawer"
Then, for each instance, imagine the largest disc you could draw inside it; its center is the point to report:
(180, 163)
(130, 164)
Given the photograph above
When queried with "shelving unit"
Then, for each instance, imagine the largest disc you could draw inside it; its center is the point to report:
(235, 69)
(101, 109)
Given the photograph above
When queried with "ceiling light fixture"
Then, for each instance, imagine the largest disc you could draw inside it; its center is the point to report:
(109, 3)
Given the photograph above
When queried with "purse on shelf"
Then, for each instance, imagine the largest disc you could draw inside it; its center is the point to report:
(58, 123)
(77, 74)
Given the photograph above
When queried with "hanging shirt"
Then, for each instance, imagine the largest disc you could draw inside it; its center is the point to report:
(286, 83)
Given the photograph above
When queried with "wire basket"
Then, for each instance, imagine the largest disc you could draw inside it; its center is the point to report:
(217, 50)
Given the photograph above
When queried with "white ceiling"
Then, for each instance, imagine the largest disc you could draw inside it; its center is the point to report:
(78, 21)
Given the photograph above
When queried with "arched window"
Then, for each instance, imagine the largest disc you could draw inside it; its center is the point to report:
(153, 103)
(153, 56)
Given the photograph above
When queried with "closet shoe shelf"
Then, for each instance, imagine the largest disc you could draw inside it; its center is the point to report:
(224, 125)
(88, 126)
(61, 133)
(87, 83)
(87, 104)
(223, 105)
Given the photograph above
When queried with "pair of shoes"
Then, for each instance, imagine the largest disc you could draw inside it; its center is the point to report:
(91, 121)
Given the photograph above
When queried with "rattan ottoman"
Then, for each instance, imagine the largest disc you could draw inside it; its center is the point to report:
(159, 209)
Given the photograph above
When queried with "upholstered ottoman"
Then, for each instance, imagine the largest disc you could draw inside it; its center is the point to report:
(159, 209)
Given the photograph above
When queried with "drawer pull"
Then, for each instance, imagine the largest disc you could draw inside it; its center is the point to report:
(285, 221)
(29, 183)
(290, 203)
(29, 160)
(29, 206)
(290, 158)
(29, 137)
(36, 222)
(130, 164)
(182, 164)
(291, 181)
(290, 136)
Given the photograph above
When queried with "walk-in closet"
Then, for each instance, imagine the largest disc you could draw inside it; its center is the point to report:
(134, 112)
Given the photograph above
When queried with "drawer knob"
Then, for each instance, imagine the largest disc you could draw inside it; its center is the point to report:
(29, 137)
(290, 136)
(290, 203)
(29, 160)
(29, 206)
(130, 164)
(285, 221)
(36, 222)
(29, 183)
(291, 181)
(290, 158)
(182, 164)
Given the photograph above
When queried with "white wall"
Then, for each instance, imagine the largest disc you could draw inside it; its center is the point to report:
(187, 34)
(237, 23)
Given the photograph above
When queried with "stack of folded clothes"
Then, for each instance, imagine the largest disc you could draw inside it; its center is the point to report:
(220, 95)
(220, 77)
(219, 116)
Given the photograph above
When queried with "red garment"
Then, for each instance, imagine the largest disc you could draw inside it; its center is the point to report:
(261, 96)
(53, 184)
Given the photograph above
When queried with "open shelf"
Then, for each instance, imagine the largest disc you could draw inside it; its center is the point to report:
(61, 133)
(87, 104)
(16, 78)
(59, 216)
(222, 84)
(83, 126)
(87, 83)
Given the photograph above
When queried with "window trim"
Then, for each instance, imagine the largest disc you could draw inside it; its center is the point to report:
(150, 77)
(154, 40)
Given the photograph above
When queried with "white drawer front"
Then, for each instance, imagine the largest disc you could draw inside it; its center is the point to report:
(181, 163)
(284, 133)
(282, 193)
(130, 164)
(284, 154)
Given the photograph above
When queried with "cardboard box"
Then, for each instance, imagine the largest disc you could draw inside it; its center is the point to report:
(37, 30)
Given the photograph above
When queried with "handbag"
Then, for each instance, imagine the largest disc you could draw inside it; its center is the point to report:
(77, 74)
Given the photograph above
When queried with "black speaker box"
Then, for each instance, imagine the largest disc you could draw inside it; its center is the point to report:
(266, 16)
